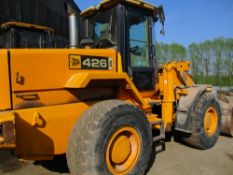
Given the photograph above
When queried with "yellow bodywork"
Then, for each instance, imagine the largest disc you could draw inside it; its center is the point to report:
(109, 3)
(26, 25)
(5, 102)
(44, 92)
(44, 109)
(47, 95)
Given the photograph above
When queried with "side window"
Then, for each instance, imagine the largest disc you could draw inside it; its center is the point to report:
(48, 40)
(28, 39)
(6, 39)
(139, 41)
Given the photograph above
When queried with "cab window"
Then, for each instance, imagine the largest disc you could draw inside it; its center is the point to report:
(139, 40)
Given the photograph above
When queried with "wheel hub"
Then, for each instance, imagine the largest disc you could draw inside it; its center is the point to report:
(123, 150)
(120, 149)
(210, 121)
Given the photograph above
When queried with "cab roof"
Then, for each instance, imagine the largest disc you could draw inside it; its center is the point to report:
(26, 25)
(105, 4)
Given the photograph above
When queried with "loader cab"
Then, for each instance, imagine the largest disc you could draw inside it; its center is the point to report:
(127, 26)
(23, 35)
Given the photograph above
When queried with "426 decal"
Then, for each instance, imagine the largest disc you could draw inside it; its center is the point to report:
(90, 62)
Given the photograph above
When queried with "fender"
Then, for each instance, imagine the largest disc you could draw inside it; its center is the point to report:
(186, 106)
(81, 80)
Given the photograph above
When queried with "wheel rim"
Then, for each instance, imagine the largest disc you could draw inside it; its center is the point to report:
(210, 121)
(123, 150)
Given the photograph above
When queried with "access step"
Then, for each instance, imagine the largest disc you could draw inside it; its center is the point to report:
(161, 135)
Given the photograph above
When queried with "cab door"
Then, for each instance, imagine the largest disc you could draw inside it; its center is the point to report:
(140, 59)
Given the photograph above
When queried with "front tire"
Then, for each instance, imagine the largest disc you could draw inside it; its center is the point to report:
(112, 137)
(206, 123)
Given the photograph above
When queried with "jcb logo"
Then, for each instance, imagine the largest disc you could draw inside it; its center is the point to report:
(75, 62)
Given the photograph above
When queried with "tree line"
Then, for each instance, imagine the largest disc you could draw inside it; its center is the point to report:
(211, 60)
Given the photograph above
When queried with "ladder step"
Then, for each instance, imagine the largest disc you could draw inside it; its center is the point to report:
(161, 135)
(158, 138)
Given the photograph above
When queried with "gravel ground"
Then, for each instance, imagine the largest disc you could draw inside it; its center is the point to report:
(176, 159)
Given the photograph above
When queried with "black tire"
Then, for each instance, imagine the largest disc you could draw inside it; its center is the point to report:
(199, 137)
(90, 137)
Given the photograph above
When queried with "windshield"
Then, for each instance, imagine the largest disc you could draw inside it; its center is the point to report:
(102, 26)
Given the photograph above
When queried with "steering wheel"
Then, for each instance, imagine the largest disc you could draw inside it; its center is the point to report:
(135, 50)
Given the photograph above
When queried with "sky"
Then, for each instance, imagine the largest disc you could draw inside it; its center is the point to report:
(189, 21)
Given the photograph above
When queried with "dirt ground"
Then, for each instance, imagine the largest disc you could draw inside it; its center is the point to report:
(176, 159)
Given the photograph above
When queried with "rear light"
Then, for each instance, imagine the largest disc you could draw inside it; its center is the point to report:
(7, 130)
(7, 135)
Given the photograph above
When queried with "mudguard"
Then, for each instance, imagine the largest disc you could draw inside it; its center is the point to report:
(186, 106)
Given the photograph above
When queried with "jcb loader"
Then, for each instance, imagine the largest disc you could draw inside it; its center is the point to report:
(99, 103)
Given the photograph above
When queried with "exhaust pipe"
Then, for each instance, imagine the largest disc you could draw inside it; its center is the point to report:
(73, 31)
(73, 26)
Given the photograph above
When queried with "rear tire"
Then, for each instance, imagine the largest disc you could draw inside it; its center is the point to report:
(112, 137)
(206, 123)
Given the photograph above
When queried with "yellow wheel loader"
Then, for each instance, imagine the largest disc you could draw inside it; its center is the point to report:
(25, 35)
(100, 103)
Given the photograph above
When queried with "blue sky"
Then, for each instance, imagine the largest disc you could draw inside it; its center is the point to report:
(190, 21)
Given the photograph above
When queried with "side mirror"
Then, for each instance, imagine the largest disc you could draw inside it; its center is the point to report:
(161, 17)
